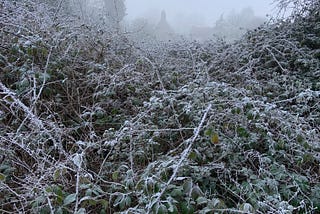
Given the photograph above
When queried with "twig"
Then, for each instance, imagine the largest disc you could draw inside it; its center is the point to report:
(183, 157)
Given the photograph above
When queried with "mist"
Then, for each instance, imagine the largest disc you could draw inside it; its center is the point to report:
(209, 10)
(198, 19)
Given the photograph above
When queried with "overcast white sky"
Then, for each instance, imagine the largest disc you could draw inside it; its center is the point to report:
(205, 11)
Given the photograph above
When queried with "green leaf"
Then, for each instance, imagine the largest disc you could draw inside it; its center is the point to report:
(44, 210)
(128, 201)
(215, 203)
(104, 203)
(187, 186)
(2, 177)
(196, 192)
(186, 208)
(38, 201)
(201, 200)
(70, 199)
(246, 207)
(4, 167)
(59, 211)
(89, 192)
(176, 192)
(130, 183)
(162, 209)
(118, 200)
(81, 211)
(56, 174)
(192, 155)
(60, 195)
(115, 175)
(242, 132)
(206, 210)
(172, 208)
(208, 132)
(122, 205)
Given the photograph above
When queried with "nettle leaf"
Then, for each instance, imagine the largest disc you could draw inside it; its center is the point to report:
(70, 199)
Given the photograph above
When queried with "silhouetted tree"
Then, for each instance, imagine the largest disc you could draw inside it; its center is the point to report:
(114, 11)
(163, 30)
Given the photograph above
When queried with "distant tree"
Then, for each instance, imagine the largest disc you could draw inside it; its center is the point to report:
(108, 13)
(141, 28)
(163, 30)
(236, 24)
(62, 5)
(114, 11)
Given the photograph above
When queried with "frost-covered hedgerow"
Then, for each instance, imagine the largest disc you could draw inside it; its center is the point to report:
(91, 122)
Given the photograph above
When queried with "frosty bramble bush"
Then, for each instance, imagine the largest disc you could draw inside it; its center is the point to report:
(93, 122)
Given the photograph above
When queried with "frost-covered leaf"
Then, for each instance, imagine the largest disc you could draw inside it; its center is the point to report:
(81, 211)
(187, 186)
(77, 160)
(70, 199)
(246, 207)
(201, 200)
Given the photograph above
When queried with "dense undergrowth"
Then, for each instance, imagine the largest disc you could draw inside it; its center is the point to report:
(93, 123)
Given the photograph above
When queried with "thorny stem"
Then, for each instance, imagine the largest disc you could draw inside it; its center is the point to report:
(183, 157)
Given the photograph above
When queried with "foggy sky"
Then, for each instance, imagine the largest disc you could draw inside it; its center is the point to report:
(202, 11)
